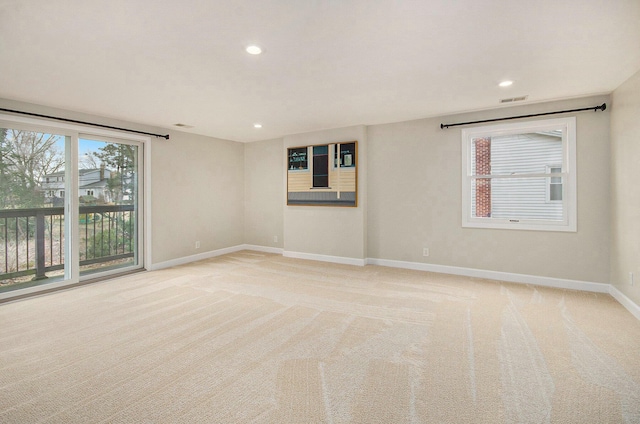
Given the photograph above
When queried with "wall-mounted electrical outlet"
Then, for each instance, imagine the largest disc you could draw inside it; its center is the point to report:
(631, 278)
(198, 244)
(425, 251)
(275, 239)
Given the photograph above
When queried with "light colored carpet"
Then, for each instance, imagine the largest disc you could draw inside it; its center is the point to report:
(252, 337)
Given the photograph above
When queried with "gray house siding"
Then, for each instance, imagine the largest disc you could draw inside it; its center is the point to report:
(523, 198)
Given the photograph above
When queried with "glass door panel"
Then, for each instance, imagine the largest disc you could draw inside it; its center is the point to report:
(108, 181)
(33, 184)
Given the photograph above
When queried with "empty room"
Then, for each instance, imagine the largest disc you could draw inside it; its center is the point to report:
(329, 211)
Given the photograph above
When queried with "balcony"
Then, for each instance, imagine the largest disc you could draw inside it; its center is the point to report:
(32, 242)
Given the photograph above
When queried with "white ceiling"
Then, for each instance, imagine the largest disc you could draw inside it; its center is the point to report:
(326, 64)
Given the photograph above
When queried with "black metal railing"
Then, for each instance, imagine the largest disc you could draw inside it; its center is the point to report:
(32, 240)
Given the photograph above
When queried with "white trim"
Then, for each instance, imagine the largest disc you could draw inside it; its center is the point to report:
(146, 201)
(325, 258)
(559, 283)
(629, 304)
(265, 249)
(71, 211)
(193, 258)
(143, 195)
(74, 127)
(35, 289)
(212, 254)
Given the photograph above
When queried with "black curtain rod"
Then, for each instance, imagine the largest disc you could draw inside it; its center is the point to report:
(83, 122)
(603, 106)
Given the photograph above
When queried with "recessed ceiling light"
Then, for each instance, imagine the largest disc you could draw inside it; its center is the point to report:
(257, 125)
(505, 83)
(253, 49)
(183, 125)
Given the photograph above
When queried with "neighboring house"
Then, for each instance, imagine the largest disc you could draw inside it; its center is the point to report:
(519, 198)
(92, 182)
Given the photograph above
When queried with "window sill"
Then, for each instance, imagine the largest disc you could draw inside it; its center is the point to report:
(526, 225)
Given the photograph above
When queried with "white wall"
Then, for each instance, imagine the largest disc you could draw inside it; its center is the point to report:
(264, 197)
(414, 200)
(322, 230)
(197, 195)
(625, 184)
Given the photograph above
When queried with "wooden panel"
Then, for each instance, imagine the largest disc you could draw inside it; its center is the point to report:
(345, 180)
(299, 181)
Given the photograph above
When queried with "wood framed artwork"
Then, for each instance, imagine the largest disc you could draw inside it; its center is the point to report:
(323, 175)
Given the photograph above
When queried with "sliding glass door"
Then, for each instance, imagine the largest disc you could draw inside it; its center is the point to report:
(70, 205)
(108, 204)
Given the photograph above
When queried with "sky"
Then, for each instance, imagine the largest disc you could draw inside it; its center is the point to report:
(85, 146)
(89, 146)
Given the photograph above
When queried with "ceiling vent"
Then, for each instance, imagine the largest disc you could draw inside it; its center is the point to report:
(514, 99)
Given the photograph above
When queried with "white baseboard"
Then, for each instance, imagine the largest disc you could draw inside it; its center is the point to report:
(213, 254)
(496, 275)
(443, 269)
(625, 301)
(193, 258)
(325, 258)
(265, 249)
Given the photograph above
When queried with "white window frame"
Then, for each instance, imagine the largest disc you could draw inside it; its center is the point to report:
(568, 222)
